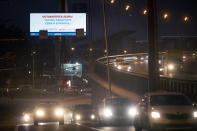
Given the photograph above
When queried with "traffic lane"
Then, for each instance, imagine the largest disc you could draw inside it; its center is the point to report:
(72, 127)
(111, 127)
(114, 128)
(131, 128)
(141, 67)
(53, 127)
(7, 128)
(136, 67)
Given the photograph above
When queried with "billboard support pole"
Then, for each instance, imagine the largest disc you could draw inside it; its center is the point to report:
(90, 23)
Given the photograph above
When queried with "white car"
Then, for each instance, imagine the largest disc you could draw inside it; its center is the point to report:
(49, 112)
(165, 111)
(117, 111)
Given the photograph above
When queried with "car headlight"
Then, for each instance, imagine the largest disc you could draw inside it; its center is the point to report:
(155, 115)
(133, 111)
(171, 67)
(77, 117)
(92, 117)
(59, 112)
(26, 117)
(195, 114)
(129, 68)
(107, 112)
(71, 114)
(40, 113)
(119, 67)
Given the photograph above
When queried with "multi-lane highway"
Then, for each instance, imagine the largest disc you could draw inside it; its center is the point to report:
(11, 111)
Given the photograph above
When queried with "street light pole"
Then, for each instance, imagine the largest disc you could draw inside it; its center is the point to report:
(107, 48)
(33, 74)
(153, 82)
(63, 8)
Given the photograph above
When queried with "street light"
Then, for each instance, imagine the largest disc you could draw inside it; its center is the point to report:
(72, 49)
(33, 63)
(127, 7)
(125, 51)
(112, 1)
(165, 16)
(90, 49)
(186, 19)
(145, 11)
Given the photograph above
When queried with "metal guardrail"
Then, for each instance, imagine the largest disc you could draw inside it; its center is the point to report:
(188, 87)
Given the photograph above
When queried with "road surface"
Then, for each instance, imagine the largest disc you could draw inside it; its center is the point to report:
(67, 127)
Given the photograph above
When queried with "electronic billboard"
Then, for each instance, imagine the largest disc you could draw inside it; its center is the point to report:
(57, 24)
(72, 69)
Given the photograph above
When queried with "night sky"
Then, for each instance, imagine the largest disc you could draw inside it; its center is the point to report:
(17, 11)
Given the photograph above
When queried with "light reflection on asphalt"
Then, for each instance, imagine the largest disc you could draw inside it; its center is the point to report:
(121, 128)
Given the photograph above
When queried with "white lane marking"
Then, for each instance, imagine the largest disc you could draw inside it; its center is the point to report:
(89, 127)
(16, 128)
(96, 129)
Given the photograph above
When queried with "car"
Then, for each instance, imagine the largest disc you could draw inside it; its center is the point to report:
(165, 110)
(84, 113)
(124, 66)
(117, 110)
(49, 112)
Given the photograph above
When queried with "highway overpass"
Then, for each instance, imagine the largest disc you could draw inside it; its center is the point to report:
(133, 83)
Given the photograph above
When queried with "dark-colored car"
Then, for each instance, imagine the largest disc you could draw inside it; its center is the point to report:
(84, 113)
(49, 112)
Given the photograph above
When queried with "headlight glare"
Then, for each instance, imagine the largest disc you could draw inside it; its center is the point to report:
(133, 111)
(171, 66)
(26, 117)
(40, 113)
(59, 112)
(92, 117)
(77, 117)
(155, 115)
(129, 67)
(195, 114)
(119, 67)
(107, 112)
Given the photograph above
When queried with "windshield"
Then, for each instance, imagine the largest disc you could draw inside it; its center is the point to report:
(166, 100)
(46, 105)
(83, 107)
(118, 101)
(124, 63)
